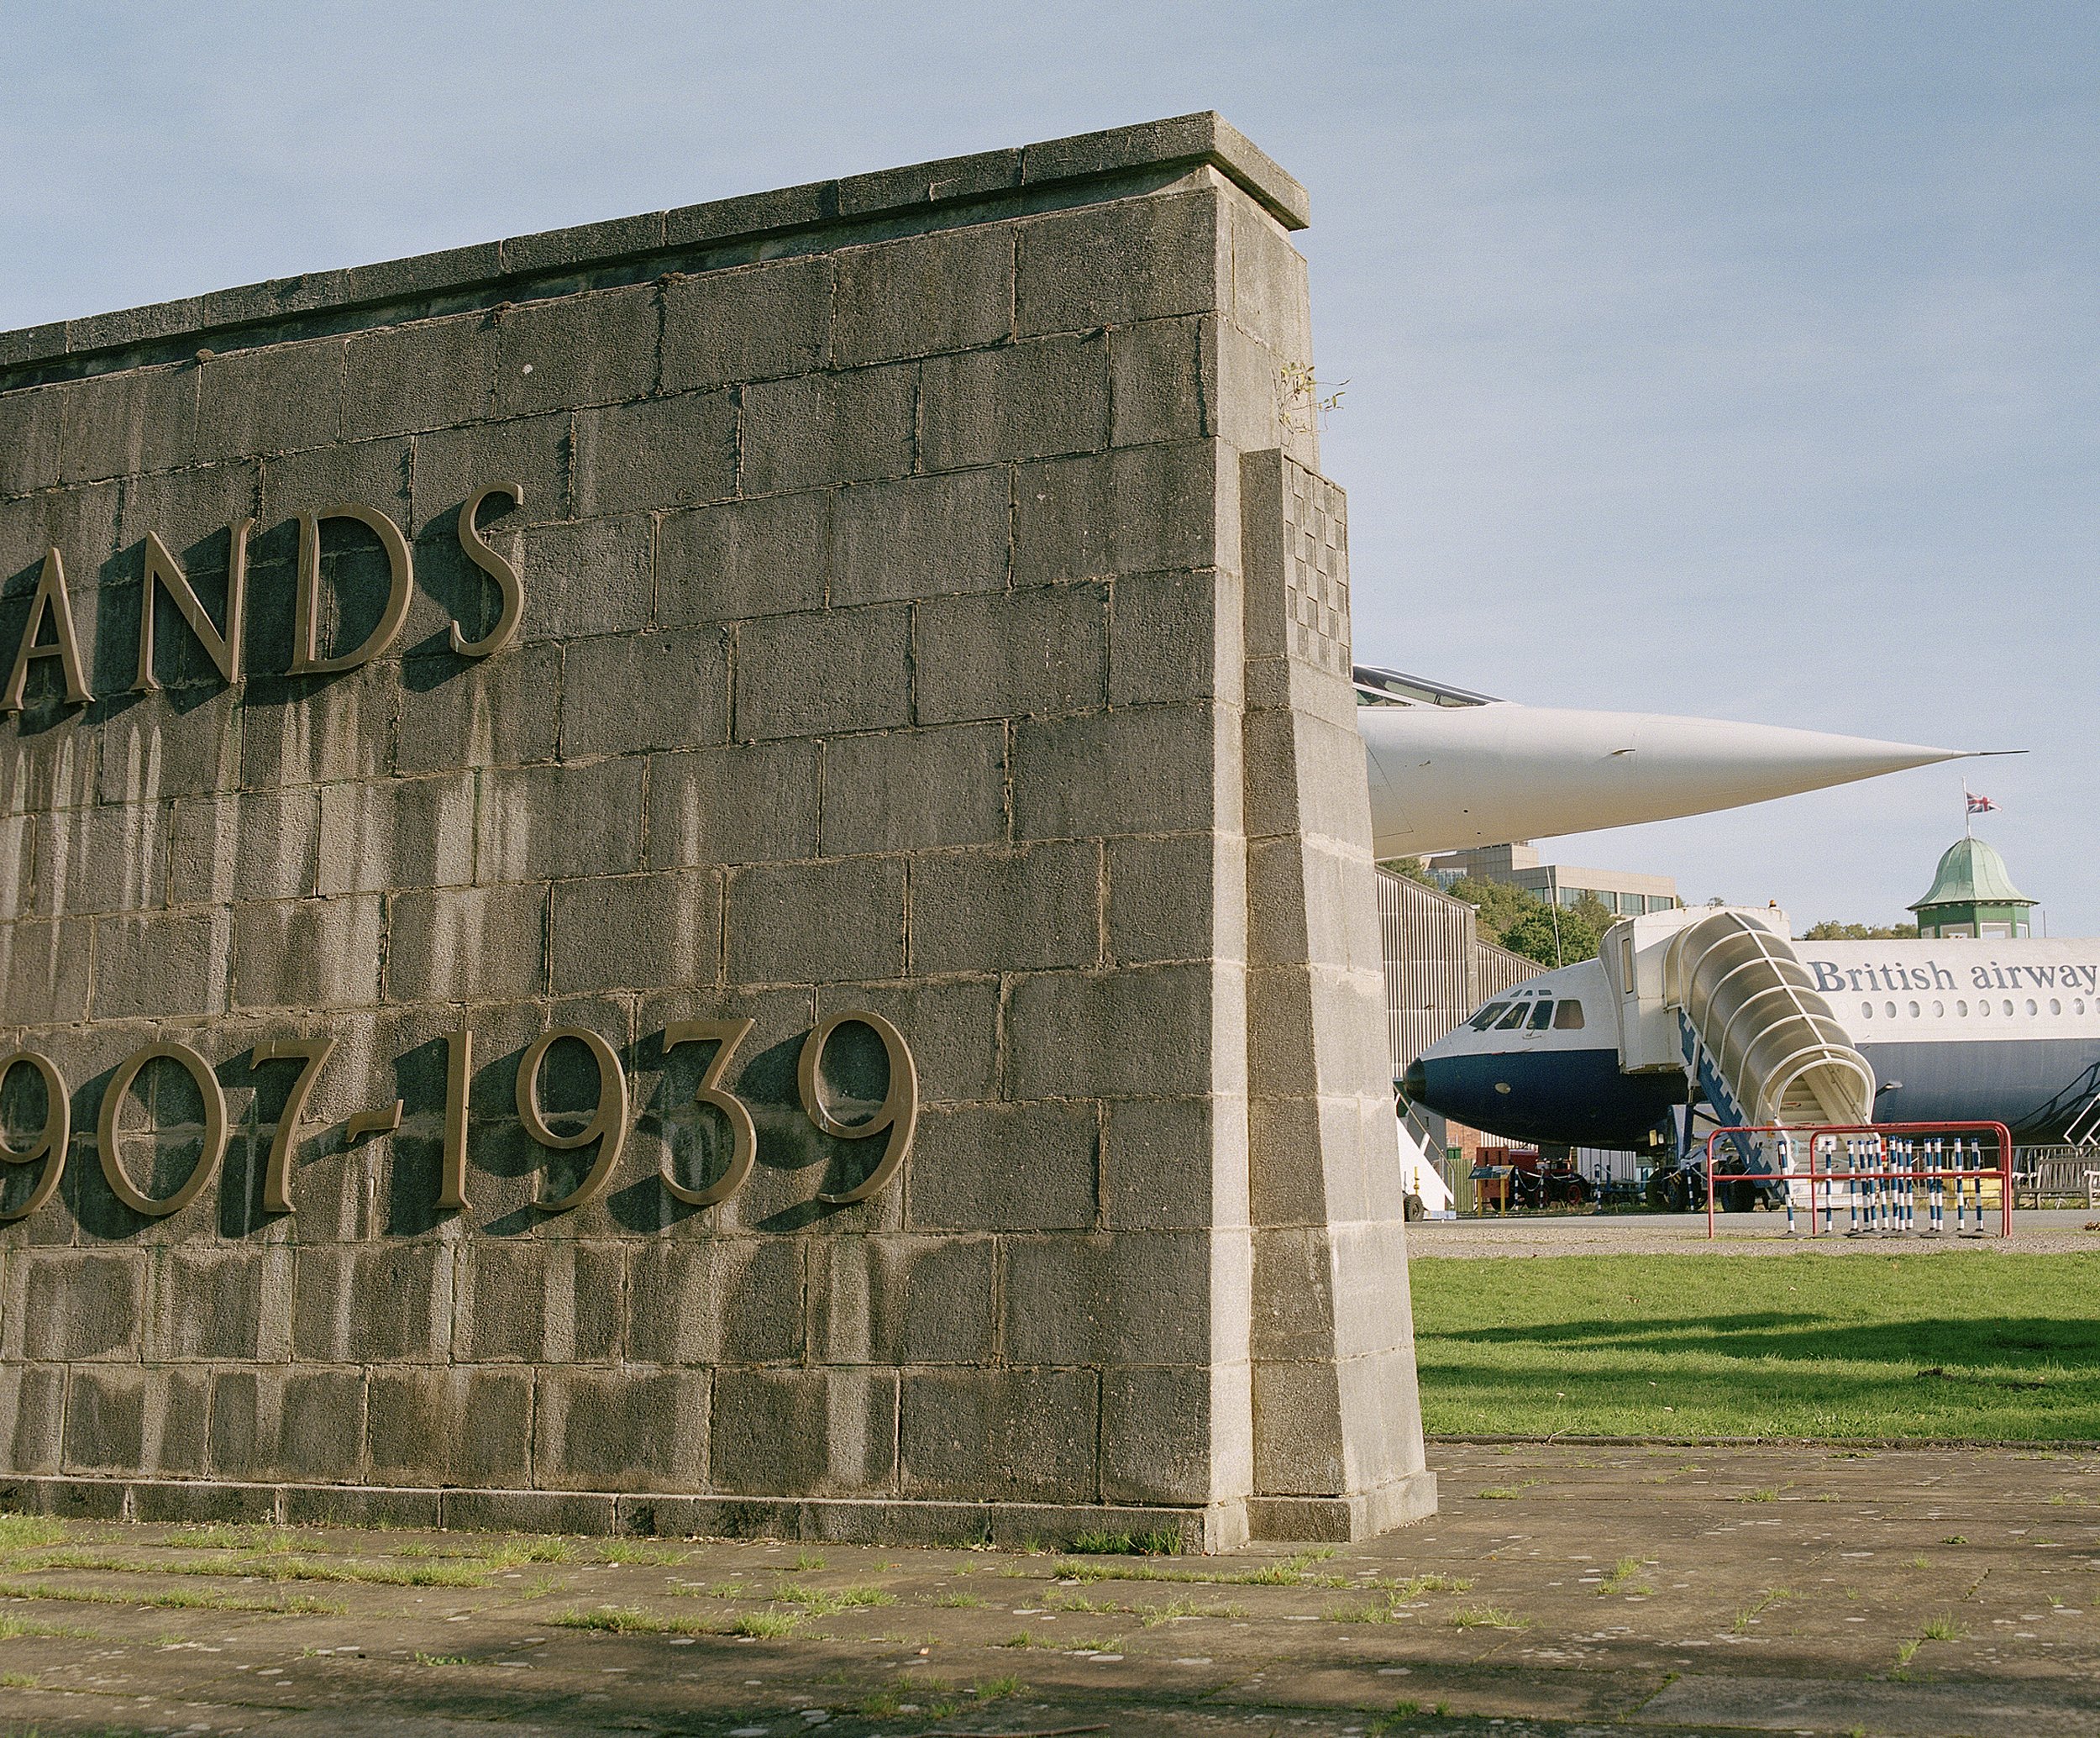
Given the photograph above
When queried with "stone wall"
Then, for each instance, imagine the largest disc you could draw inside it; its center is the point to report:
(930, 610)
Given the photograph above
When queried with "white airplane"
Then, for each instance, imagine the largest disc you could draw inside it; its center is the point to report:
(1952, 1031)
(1450, 768)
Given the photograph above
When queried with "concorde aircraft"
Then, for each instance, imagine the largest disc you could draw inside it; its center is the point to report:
(1450, 768)
(1999, 1030)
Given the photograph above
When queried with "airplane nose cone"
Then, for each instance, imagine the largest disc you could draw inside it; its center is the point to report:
(1415, 1082)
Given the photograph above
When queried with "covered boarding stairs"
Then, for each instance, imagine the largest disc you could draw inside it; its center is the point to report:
(1760, 1043)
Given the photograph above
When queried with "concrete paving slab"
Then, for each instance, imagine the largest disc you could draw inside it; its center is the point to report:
(1563, 1589)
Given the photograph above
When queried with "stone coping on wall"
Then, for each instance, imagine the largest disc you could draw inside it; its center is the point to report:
(461, 277)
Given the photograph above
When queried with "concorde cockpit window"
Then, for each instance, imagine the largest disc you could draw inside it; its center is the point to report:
(1377, 687)
(1541, 1016)
(1488, 1015)
(1568, 1017)
(1515, 1018)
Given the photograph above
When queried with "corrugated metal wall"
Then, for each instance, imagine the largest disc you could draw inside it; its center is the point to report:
(1437, 970)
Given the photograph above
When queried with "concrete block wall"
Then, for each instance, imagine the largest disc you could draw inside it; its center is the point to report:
(885, 646)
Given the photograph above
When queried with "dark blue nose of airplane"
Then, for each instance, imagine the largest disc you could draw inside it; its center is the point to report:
(1415, 1083)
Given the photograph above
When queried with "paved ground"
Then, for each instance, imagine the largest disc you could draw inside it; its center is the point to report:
(1560, 1591)
(2051, 1232)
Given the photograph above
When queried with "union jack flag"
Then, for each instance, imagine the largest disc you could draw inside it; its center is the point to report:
(1980, 805)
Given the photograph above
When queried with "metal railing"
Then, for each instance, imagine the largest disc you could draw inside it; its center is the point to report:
(1887, 1170)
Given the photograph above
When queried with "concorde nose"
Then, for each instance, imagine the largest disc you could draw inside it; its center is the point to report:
(1444, 778)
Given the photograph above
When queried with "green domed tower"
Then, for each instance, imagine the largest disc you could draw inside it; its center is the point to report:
(1973, 895)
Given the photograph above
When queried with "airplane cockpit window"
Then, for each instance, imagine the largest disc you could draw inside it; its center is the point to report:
(1377, 687)
(1568, 1017)
(1488, 1015)
(1541, 1016)
(1515, 1018)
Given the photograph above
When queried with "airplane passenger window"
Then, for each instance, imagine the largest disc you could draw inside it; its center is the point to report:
(1914, 1010)
(1939, 1010)
(2078, 1007)
(2030, 1004)
(1961, 1008)
(1487, 1017)
(1568, 1017)
(1866, 1011)
(1983, 1011)
(1892, 1010)
(1514, 1017)
(2008, 1007)
(1541, 1016)
(2055, 1006)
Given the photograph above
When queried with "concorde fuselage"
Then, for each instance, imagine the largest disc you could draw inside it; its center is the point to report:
(1449, 769)
(1955, 1030)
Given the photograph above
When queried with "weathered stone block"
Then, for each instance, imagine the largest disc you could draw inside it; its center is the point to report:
(1026, 1167)
(260, 845)
(922, 537)
(270, 400)
(1134, 1297)
(1041, 650)
(139, 419)
(387, 1303)
(73, 1305)
(1140, 1032)
(819, 429)
(491, 714)
(1028, 908)
(309, 952)
(635, 1430)
(32, 1416)
(105, 1421)
(1023, 400)
(428, 374)
(816, 923)
(556, 822)
(595, 577)
(812, 676)
(818, 1432)
(592, 349)
(947, 291)
(918, 789)
(1019, 1435)
(1165, 381)
(626, 692)
(28, 439)
(756, 323)
(44, 967)
(953, 1028)
(1082, 776)
(744, 557)
(1158, 1428)
(664, 451)
(725, 1300)
(112, 857)
(636, 932)
(753, 803)
(382, 834)
(1164, 642)
(534, 1301)
(295, 732)
(153, 966)
(1115, 265)
(902, 1300)
(206, 1303)
(456, 1426)
(467, 944)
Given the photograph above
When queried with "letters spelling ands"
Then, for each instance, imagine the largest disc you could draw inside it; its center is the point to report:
(51, 607)
(896, 1117)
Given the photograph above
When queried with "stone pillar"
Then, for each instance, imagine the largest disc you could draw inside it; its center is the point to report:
(1337, 1421)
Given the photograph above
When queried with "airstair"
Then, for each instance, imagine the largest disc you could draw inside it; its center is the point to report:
(1762, 1046)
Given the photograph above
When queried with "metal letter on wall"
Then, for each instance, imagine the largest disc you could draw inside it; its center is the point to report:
(476, 549)
(207, 1160)
(50, 1142)
(305, 632)
(744, 1135)
(49, 600)
(164, 573)
(898, 1113)
(608, 1125)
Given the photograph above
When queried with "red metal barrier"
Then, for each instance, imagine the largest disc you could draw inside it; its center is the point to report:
(1933, 1179)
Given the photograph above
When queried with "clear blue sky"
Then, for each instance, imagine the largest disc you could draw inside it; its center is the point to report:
(1739, 357)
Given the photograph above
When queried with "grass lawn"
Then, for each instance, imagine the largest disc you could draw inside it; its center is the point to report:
(1923, 1346)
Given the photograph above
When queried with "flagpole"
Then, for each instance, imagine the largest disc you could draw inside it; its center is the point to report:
(1968, 812)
